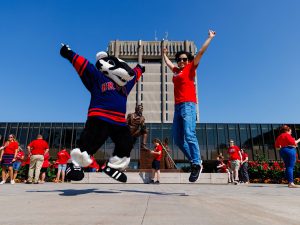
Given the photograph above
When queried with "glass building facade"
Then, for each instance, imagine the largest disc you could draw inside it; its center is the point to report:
(257, 139)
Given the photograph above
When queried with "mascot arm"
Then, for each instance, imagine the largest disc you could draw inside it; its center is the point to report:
(138, 71)
(84, 68)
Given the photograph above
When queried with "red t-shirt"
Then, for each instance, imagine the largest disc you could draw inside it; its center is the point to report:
(26, 161)
(284, 140)
(233, 152)
(184, 84)
(94, 164)
(46, 163)
(19, 156)
(244, 156)
(11, 148)
(158, 148)
(63, 157)
(38, 147)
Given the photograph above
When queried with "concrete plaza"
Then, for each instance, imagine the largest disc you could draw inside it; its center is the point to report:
(133, 204)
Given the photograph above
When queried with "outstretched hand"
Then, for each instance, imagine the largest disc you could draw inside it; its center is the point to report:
(65, 51)
(211, 33)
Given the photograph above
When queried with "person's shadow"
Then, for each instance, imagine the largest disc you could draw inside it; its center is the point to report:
(74, 192)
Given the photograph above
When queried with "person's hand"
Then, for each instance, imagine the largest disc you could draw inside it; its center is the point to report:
(211, 33)
(13, 160)
(165, 50)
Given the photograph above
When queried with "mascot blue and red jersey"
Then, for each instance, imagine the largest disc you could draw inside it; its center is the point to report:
(108, 100)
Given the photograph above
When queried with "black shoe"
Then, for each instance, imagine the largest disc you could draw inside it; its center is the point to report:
(28, 182)
(195, 172)
(114, 173)
(35, 182)
(74, 172)
(156, 182)
(151, 182)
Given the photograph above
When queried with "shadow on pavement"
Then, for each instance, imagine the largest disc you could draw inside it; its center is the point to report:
(155, 192)
(74, 192)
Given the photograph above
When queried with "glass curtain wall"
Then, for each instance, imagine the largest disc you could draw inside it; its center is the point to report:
(257, 139)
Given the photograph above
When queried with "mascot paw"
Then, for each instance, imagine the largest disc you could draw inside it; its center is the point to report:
(79, 158)
(114, 173)
(141, 67)
(74, 172)
(65, 51)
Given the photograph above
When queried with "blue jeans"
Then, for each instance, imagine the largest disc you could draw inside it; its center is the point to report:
(184, 131)
(288, 154)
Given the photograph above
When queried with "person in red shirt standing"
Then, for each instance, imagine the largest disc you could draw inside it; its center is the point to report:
(19, 159)
(44, 168)
(184, 122)
(287, 145)
(244, 176)
(62, 159)
(94, 166)
(36, 150)
(235, 158)
(157, 152)
(8, 156)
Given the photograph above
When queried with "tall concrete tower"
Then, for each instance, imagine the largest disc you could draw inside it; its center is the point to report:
(155, 89)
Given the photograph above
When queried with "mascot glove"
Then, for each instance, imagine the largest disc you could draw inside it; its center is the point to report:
(79, 158)
(66, 51)
(141, 67)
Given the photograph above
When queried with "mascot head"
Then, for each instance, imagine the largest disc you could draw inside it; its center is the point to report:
(114, 68)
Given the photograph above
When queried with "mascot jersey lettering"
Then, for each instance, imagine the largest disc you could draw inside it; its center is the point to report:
(108, 100)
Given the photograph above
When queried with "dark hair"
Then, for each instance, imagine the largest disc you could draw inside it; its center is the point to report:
(284, 128)
(189, 55)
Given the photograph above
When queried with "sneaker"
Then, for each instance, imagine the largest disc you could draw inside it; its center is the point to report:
(12, 182)
(114, 173)
(151, 182)
(28, 182)
(293, 186)
(156, 182)
(236, 182)
(73, 173)
(195, 172)
(3, 182)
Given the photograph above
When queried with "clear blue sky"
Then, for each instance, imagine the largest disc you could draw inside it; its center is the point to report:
(249, 74)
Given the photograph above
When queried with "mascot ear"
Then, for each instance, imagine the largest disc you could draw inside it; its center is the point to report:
(101, 55)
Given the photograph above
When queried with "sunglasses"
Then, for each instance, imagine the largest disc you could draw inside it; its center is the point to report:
(182, 59)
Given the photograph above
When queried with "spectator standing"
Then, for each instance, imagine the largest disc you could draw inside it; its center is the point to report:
(184, 122)
(8, 157)
(157, 152)
(244, 176)
(235, 158)
(36, 150)
(94, 166)
(17, 164)
(287, 145)
(44, 168)
(62, 159)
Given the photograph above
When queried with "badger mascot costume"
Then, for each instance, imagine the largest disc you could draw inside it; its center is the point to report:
(109, 81)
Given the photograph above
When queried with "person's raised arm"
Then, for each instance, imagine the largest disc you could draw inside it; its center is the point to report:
(167, 60)
(211, 35)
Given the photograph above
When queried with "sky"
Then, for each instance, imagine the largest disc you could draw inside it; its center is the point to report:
(249, 74)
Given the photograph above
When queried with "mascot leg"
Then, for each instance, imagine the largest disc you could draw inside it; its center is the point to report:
(121, 156)
(91, 139)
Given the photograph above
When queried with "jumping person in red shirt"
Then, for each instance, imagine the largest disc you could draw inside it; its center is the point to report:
(287, 145)
(62, 159)
(36, 150)
(156, 161)
(8, 156)
(184, 122)
(235, 158)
